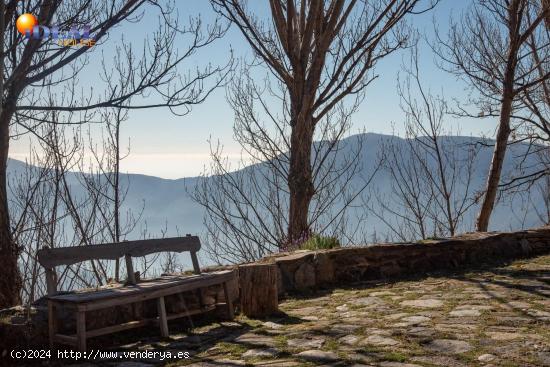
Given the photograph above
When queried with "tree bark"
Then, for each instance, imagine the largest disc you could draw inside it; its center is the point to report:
(10, 280)
(300, 181)
(496, 167)
(508, 94)
(258, 289)
(546, 6)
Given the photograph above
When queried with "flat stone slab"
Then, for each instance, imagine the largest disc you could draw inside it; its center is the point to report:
(500, 335)
(256, 339)
(318, 355)
(423, 303)
(273, 325)
(486, 358)
(382, 293)
(448, 346)
(305, 343)
(379, 340)
(415, 320)
(310, 318)
(398, 364)
(396, 316)
(465, 313)
(368, 301)
(344, 328)
(260, 353)
(349, 339)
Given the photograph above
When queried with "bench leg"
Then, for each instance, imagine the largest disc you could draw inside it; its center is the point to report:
(162, 317)
(81, 331)
(201, 298)
(52, 323)
(228, 302)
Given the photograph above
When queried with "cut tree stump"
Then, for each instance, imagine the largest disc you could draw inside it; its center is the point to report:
(258, 289)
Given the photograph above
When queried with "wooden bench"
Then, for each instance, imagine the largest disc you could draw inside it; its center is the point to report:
(132, 292)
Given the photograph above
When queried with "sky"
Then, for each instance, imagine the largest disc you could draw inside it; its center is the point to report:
(169, 146)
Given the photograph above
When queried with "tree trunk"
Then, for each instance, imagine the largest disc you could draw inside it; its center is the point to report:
(10, 280)
(300, 181)
(503, 132)
(258, 289)
(496, 164)
(546, 6)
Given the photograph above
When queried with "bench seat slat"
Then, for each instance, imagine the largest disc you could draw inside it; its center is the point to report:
(163, 286)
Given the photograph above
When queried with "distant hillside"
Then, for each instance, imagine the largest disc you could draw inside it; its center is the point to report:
(167, 204)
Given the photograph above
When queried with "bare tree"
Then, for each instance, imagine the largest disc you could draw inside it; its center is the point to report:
(150, 77)
(490, 50)
(432, 173)
(104, 181)
(321, 52)
(246, 206)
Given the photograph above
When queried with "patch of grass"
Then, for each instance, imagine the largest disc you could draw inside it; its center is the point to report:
(281, 341)
(331, 345)
(395, 357)
(317, 242)
(230, 349)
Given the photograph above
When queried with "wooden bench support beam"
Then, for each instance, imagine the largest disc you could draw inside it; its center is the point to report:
(230, 312)
(81, 330)
(163, 321)
(52, 323)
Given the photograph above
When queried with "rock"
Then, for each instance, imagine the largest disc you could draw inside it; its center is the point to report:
(544, 358)
(397, 316)
(273, 325)
(310, 318)
(305, 343)
(415, 320)
(439, 360)
(379, 341)
(277, 363)
(349, 339)
(465, 313)
(423, 332)
(304, 277)
(486, 358)
(382, 293)
(423, 303)
(318, 355)
(398, 364)
(519, 304)
(260, 353)
(474, 307)
(448, 346)
(324, 268)
(342, 308)
(499, 335)
(256, 340)
(539, 313)
(368, 301)
(344, 328)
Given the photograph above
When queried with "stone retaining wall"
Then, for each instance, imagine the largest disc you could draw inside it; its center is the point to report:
(312, 269)
(305, 270)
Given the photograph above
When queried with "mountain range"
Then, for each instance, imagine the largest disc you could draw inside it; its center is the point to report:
(167, 204)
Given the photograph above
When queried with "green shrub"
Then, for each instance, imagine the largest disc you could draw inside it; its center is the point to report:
(318, 242)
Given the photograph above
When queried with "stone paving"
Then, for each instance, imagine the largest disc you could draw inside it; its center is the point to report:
(491, 317)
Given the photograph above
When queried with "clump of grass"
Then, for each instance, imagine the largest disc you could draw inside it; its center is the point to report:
(318, 242)
(395, 357)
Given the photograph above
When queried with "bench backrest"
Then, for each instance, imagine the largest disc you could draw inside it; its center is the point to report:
(49, 258)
